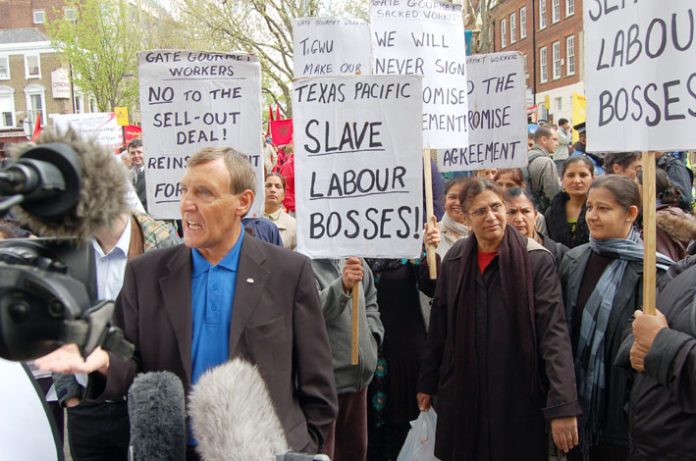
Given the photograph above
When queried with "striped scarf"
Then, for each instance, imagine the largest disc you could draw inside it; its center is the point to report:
(590, 367)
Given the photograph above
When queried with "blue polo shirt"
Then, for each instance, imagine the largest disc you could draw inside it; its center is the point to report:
(212, 294)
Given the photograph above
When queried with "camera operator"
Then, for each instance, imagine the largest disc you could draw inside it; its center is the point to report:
(99, 430)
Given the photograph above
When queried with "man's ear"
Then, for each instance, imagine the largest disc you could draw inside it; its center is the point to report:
(246, 199)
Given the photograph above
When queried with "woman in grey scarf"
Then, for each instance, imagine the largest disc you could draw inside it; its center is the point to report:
(602, 287)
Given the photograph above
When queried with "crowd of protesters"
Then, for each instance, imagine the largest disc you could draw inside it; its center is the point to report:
(529, 343)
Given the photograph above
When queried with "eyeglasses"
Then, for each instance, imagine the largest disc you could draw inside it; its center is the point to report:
(483, 211)
(524, 211)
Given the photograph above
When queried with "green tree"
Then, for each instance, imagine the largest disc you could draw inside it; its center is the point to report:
(101, 45)
(259, 27)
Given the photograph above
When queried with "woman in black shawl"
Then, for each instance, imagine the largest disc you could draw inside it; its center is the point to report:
(498, 354)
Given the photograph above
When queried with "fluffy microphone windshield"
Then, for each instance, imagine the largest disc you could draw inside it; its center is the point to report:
(157, 413)
(232, 415)
(102, 195)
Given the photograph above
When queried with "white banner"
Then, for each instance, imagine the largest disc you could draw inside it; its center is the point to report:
(426, 38)
(331, 46)
(497, 116)
(190, 100)
(358, 186)
(640, 75)
(100, 126)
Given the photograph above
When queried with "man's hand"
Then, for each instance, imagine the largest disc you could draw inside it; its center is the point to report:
(645, 328)
(67, 360)
(565, 433)
(424, 401)
(432, 233)
(352, 273)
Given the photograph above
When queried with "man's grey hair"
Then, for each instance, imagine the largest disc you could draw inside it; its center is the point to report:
(242, 176)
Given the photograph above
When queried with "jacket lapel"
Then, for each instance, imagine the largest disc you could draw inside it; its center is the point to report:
(176, 292)
(252, 277)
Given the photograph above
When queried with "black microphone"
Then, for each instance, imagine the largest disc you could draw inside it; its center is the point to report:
(156, 409)
(232, 415)
(66, 186)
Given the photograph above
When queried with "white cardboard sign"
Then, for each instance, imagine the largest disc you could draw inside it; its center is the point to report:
(359, 169)
(190, 100)
(497, 117)
(640, 75)
(426, 38)
(331, 46)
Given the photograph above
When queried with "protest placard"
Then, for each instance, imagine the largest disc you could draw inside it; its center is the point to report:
(190, 100)
(358, 186)
(497, 117)
(331, 46)
(640, 75)
(426, 38)
(101, 126)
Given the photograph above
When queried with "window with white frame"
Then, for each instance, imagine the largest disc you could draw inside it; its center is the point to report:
(4, 67)
(7, 107)
(39, 16)
(79, 101)
(503, 33)
(32, 66)
(70, 13)
(543, 65)
(558, 103)
(570, 7)
(542, 14)
(556, 50)
(555, 11)
(523, 22)
(513, 28)
(93, 104)
(526, 66)
(570, 55)
(36, 102)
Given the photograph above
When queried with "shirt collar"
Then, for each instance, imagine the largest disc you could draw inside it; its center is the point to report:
(229, 262)
(122, 244)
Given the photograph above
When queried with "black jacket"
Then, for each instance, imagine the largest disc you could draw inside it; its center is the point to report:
(557, 223)
(558, 250)
(663, 399)
(628, 298)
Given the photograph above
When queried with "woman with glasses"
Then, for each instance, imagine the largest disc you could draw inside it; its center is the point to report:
(522, 215)
(565, 217)
(497, 355)
(602, 287)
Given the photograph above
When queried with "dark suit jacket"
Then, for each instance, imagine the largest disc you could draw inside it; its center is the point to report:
(276, 324)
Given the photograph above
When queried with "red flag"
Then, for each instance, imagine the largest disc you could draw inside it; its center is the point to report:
(37, 127)
(281, 131)
(270, 119)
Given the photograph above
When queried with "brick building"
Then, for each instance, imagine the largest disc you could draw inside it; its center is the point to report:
(549, 33)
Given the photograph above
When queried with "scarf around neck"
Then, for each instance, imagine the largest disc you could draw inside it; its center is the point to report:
(590, 366)
(518, 291)
(453, 226)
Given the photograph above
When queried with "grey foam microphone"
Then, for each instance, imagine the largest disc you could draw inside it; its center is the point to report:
(100, 189)
(157, 413)
(232, 416)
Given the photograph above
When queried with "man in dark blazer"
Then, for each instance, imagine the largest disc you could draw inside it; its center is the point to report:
(276, 321)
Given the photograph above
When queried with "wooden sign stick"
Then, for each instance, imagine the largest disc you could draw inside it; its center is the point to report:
(649, 218)
(355, 319)
(427, 175)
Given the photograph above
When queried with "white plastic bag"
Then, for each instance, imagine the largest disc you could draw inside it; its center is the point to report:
(420, 441)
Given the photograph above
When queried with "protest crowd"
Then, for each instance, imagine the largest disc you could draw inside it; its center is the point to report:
(515, 329)
(530, 338)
